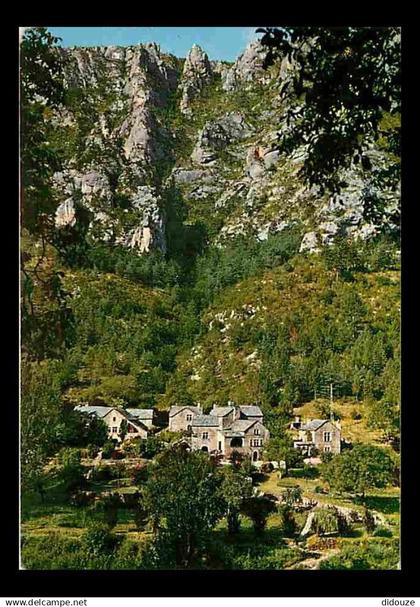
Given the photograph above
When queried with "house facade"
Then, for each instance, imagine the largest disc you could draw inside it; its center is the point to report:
(321, 434)
(181, 418)
(228, 429)
(113, 418)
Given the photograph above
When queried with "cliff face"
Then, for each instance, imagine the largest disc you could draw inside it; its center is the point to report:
(141, 124)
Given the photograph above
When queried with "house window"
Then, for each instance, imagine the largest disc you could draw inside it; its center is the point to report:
(327, 449)
(189, 417)
(114, 419)
(257, 442)
(205, 435)
(257, 431)
(327, 437)
(114, 429)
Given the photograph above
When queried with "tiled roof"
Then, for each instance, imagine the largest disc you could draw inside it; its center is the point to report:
(141, 413)
(313, 424)
(174, 410)
(97, 410)
(241, 425)
(221, 411)
(205, 420)
(251, 410)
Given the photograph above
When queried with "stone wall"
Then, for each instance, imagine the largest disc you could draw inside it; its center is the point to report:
(211, 443)
(334, 443)
(180, 421)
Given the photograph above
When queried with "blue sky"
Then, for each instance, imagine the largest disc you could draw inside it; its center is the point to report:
(220, 43)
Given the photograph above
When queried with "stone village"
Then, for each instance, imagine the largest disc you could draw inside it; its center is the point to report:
(223, 431)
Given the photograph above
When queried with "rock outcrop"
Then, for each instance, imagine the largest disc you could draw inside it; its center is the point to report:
(196, 74)
(230, 169)
(247, 68)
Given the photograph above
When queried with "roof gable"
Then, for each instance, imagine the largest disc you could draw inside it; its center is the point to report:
(175, 410)
(221, 411)
(251, 410)
(242, 425)
(98, 410)
(315, 424)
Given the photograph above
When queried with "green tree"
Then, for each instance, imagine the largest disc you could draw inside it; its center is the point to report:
(123, 430)
(340, 84)
(46, 315)
(182, 499)
(149, 447)
(292, 495)
(234, 489)
(287, 520)
(71, 469)
(41, 92)
(359, 469)
(258, 509)
(369, 521)
(281, 449)
(39, 417)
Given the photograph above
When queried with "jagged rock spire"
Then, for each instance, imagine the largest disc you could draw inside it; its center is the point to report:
(196, 74)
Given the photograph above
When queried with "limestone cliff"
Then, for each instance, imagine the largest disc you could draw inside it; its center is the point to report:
(139, 122)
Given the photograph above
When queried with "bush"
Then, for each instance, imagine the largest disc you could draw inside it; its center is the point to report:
(140, 475)
(355, 414)
(150, 447)
(369, 521)
(71, 470)
(382, 531)
(325, 521)
(117, 454)
(92, 451)
(382, 553)
(98, 539)
(82, 498)
(288, 521)
(108, 449)
(103, 473)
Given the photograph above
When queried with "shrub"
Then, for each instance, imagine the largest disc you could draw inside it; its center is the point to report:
(82, 498)
(103, 473)
(92, 451)
(369, 521)
(288, 521)
(139, 475)
(355, 414)
(150, 447)
(71, 470)
(382, 531)
(382, 553)
(107, 449)
(98, 539)
(117, 454)
(325, 521)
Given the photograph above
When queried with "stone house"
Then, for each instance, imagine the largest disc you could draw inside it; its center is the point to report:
(228, 429)
(321, 434)
(207, 434)
(138, 420)
(180, 418)
(247, 437)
